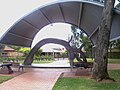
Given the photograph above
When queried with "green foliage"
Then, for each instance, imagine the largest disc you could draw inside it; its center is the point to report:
(75, 40)
(3, 59)
(88, 84)
(64, 54)
(46, 57)
(81, 37)
(118, 44)
(115, 44)
(87, 44)
(24, 50)
(13, 59)
(38, 53)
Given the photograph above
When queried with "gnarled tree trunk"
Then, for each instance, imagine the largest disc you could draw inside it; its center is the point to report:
(102, 43)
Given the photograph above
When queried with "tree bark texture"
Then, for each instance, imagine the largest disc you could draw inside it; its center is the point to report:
(81, 53)
(102, 43)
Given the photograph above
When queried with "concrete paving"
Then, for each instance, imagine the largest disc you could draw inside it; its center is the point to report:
(58, 63)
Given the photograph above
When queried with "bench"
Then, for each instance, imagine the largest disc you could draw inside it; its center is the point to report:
(21, 66)
(6, 68)
(16, 65)
(85, 65)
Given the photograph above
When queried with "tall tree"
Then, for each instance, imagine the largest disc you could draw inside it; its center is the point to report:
(78, 41)
(102, 43)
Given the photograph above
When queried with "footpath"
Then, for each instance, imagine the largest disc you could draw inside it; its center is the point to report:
(42, 78)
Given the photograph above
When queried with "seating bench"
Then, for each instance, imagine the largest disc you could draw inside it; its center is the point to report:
(5, 68)
(16, 65)
(86, 65)
(21, 67)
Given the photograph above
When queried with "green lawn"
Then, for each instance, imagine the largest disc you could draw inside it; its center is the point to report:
(42, 61)
(4, 78)
(88, 84)
(116, 61)
(89, 60)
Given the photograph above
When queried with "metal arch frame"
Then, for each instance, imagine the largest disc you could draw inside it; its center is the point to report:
(29, 58)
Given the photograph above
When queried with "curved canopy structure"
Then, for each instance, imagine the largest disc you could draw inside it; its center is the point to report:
(84, 14)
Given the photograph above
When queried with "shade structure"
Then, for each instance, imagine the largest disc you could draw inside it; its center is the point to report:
(85, 15)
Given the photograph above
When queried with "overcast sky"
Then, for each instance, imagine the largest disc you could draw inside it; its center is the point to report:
(13, 10)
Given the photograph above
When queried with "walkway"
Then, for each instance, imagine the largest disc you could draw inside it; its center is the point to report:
(37, 79)
(42, 79)
(33, 79)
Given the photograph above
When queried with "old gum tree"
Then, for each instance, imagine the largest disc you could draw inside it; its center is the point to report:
(102, 43)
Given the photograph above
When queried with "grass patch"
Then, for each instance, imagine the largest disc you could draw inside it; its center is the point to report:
(110, 60)
(5, 78)
(42, 61)
(88, 60)
(88, 84)
(116, 61)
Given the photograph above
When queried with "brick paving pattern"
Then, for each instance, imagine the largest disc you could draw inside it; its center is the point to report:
(44, 79)
(35, 80)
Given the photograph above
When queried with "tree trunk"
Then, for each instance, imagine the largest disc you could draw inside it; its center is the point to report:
(81, 54)
(102, 43)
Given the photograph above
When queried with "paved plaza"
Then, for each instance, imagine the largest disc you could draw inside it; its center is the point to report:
(36, 78)
(43, 78)
(33, 79)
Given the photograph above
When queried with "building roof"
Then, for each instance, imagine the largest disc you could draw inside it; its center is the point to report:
(8, 48)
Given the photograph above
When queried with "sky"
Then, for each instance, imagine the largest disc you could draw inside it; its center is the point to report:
(13, 10)
(57, 30)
